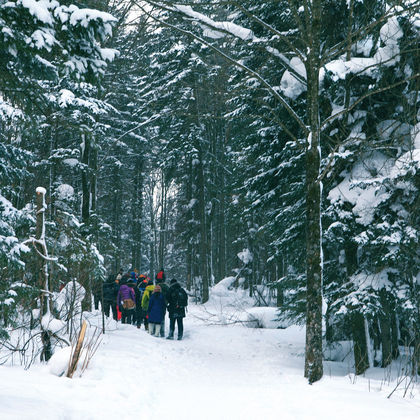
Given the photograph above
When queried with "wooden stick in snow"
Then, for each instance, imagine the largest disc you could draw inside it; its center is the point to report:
(76, 354)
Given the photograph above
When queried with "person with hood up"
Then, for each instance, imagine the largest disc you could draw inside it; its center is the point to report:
(146, 297)
(177, 300)
(133, 276)
(165, 290)
(156, 311)
(126, 301)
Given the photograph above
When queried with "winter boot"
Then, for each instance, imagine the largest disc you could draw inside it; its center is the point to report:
(170, 336)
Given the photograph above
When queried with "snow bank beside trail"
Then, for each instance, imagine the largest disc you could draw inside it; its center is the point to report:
(224, 293)
(230, 305)
(264, 317)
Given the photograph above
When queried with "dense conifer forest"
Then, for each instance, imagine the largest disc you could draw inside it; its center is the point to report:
(273, 142)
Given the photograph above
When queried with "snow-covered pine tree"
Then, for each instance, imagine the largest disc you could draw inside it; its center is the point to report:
(44, 45)
(366, 226)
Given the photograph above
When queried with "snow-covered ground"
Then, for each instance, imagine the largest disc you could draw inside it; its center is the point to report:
(216, 372)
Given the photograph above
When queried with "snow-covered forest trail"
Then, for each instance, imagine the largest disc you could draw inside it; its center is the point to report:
(213, 373)
(216, 372)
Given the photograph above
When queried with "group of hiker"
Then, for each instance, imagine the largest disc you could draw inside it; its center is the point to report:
(142, 301)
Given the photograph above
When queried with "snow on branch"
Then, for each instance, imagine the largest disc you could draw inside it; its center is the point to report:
(231, 60)
(217, 29)
(230, 27)
(34, 241)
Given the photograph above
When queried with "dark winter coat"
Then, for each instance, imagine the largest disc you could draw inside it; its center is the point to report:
(175, 311)
(97, 287)
(125, 292)
(157, 309)
(165, 289)
(110, 290)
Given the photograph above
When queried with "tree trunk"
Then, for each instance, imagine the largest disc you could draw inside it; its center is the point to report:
(385, 324)
(203, 231)
(376, 335)
(221, 207)
(41, 248)
(93, 170)
(313, 349)
(361, 357)
(85, 178)
(394, 333)
(136, 213)
(416, 353)
(329, 329)
(221, 240)
(86, 281)
(86, 158)
(40, 236)
(162, 222)
(116, 217)
(153, 237)
(360, 350)
(368, 342)
(189, 216)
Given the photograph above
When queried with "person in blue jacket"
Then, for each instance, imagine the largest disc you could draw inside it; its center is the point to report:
(156, 311)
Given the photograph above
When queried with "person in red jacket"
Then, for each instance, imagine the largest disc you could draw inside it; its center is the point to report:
(161, 276)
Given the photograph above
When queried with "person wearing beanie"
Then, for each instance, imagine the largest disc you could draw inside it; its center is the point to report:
(177, 300)
(156, 311)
